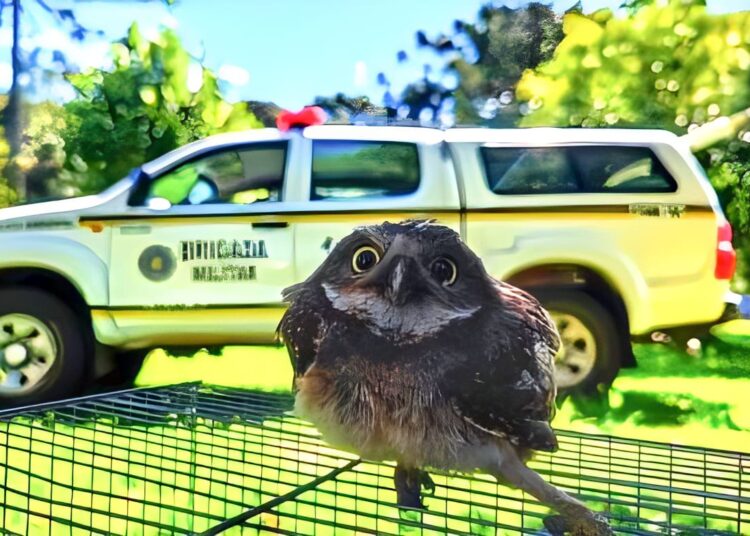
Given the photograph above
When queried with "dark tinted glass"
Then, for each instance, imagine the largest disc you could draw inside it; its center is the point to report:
(363, 169)
(589, 169)
(245, 175)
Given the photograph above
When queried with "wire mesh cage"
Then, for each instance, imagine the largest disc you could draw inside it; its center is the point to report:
(197, 459)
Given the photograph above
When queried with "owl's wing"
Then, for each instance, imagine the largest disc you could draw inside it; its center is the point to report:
(508, 389)
(301, 328)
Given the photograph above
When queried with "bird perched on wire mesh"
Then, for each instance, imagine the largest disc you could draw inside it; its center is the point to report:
(405, 349)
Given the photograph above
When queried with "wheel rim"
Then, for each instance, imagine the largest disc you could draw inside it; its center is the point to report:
(577, 355)
(28, 350)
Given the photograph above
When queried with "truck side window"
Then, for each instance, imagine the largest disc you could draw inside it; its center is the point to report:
(529, 171)
(575, 169)
(344, 169)
(242, 175)
(621, 169)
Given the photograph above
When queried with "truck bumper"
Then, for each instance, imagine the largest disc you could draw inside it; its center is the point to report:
(736, 306)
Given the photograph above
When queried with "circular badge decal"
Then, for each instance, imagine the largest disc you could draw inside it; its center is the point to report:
(157, 263)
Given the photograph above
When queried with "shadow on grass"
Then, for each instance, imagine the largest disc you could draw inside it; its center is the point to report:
(647, 408)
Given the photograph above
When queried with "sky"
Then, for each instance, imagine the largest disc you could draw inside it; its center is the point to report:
(285, 51)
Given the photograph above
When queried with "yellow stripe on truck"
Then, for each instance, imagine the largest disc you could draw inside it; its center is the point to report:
(186, 326)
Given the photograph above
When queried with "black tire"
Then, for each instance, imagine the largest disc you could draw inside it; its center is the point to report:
(126, 366)
(606, 336)
(129, 364)
(72, 341)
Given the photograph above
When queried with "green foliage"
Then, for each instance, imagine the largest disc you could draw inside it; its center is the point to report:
(488, 57)
(666, 66)
(509, 41)
(134, 113)
(7, 193)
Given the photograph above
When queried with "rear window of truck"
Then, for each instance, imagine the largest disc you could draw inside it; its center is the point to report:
(343, 169)
(575, 169)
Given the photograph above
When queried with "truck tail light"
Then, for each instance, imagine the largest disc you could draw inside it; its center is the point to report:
(726, 258)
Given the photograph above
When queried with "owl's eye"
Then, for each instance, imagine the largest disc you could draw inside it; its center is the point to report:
(365, 258)
(444, 271)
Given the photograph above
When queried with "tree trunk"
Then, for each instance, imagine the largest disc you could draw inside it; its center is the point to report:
(13, 113)
(718, 130)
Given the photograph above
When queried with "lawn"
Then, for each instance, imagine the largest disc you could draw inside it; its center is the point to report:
(179, 459)
(670, 397)
(130, 478)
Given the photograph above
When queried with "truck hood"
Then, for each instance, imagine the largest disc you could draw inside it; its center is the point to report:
(68, 207)
(50, 207)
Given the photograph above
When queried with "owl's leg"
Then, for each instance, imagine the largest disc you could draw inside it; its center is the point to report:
(576, 517)
(409, 484)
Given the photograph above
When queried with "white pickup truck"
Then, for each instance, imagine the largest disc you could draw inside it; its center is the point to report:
(618, 232)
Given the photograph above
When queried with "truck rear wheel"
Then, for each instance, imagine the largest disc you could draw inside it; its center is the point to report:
(129, 364)
(43, 347)
(591, 348)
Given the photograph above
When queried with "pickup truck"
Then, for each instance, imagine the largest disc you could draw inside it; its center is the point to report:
(617, 232)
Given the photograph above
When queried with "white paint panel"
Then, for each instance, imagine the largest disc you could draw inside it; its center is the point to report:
(194, 280)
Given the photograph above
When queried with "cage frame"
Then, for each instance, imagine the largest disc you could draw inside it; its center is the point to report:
(196, 435)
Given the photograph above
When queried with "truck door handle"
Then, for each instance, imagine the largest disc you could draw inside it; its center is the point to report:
(270, 224)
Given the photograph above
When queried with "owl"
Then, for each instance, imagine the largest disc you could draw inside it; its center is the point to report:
(404, 348)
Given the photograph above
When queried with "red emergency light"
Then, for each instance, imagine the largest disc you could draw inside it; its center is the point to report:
(308, 116)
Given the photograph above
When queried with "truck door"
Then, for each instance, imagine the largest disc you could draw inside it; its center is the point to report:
(217, 240)
(354, 182)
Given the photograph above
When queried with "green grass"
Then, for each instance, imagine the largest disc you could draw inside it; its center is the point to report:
(255, 367)
(161, 474)
(127, 478)
(186, 478)
(678, 398)
(670, 397)
(134, 478)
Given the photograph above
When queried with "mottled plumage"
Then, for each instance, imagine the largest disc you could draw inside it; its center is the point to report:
(405, 349)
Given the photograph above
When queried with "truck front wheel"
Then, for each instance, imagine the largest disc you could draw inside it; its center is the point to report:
(43, 347)
(590, 355)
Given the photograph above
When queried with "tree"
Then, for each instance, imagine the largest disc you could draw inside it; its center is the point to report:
(12, 117)
(671, 66)
(124, 117)
(7, 193)
(484, 61)
(344, 109)
(266, 112)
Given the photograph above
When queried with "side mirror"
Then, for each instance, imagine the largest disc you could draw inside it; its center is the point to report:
(158, 203)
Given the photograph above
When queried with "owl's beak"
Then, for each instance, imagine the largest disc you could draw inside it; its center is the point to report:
(403, 280)
(397, 277)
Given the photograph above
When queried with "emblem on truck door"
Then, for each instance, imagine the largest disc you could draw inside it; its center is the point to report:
(157, 263)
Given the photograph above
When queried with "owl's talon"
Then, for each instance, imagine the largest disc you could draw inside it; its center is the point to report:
(409, 487)
(427, 483)
(555, 525)
(588, 524)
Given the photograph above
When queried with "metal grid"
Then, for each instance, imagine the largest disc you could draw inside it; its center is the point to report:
(194, 459)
